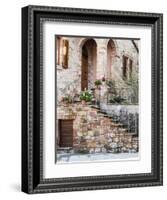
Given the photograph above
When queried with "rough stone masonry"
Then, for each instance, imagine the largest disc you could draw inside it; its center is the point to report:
(94, 132)
(115, 59)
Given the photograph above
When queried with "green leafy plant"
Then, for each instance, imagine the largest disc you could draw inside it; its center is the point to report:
(67, 99)
(98, 82)
(86, 95)
(110, 83)
(134, 85)
(117, 99)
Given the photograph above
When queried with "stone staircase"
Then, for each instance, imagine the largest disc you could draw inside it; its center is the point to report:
(95, 131)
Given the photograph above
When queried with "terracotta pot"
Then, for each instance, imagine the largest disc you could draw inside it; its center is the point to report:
(83, 102)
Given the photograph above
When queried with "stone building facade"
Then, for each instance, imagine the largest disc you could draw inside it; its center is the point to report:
(79, 63)
(116, 59)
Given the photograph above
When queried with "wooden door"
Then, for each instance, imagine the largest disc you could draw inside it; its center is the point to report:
(66, 133)
(84, 70)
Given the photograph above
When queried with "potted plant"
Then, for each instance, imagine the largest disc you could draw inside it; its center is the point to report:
(86, 96)
(67, 99)
(98, 83)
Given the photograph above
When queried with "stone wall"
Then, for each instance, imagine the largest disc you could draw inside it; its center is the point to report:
(128, 115)
(94, 132)
(69, 80)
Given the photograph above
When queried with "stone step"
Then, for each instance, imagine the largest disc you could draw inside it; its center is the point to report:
(132, 134)
(116, 125)
(119, 124)
(95, 128)
(95, 107)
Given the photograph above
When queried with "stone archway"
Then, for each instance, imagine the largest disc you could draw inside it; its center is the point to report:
(88, 64)
(111, 52)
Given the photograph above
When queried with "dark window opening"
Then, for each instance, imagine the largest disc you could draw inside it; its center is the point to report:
(130, 68)
(125, 64)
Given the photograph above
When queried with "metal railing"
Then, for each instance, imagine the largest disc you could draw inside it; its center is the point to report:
(129, 120)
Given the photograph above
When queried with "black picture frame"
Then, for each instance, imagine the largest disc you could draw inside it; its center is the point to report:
(32, 94)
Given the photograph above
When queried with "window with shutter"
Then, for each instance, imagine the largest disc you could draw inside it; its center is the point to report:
(65, 54)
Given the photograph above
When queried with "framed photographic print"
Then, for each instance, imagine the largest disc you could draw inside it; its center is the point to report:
(91, 99)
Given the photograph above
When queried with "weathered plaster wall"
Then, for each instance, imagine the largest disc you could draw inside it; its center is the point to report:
(69, 80)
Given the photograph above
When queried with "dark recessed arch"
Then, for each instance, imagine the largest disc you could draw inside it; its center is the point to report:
(88, 63)
(111, 52)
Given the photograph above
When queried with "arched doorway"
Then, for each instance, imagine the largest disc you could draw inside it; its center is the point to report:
(111, 52)
(88, 64)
